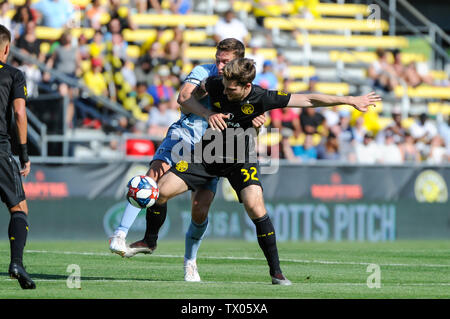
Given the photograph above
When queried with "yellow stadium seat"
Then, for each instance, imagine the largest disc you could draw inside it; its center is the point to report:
(325, 24)
(424, 91)
(435, 108)
(369, 57)
(242, 6)
(342, 10)
(49, 34)
(44, 47)
(322, 87)
(353, 41)
(298, 71)
(208, 53)
(133, 51)
(439, 75)
(173, 20)
(142, 35)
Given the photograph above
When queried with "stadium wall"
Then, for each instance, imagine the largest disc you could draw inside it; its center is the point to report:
(306, 203)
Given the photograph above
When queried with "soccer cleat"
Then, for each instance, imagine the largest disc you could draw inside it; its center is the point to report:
(117, 244)
(139, 247)
(280, 279)
(191, 271)
(18, 272)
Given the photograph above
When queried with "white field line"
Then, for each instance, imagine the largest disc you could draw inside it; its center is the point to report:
(303, 261)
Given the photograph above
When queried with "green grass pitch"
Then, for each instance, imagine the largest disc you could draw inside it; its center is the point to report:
(235, 270)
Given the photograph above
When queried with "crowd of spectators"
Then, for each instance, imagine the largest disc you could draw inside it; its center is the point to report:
(147, 86)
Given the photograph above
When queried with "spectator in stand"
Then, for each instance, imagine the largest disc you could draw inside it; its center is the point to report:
(4, 19)
(97, 47)
(116, 11)
(358, 130)
(267, 79)
(286, 118)
(281, 67)
(345, 137)
(94, 13)
(67, 60)
(29, 44)
(331, 116)
(144, 6)
(423, 130)
(161, 117)
(329, 150)
(398, 66)
(410, 153)
(413, 77)
(306, 152)
(230, 27)
(162, 89)
(143, 99)
(266, 8)
(54, 13)
(396, 127)
(285, 146)
(312, 120)
(367, 152)
(174, 60)
(390, 153)
(148, 63)
(437, 154)
(20, 19)
(114, 27)
(181, 6)
(382, 73)
(254, 47)
(94, 78)
(119, 46)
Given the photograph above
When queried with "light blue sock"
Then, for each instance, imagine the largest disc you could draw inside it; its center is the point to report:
(128, 218)
(194, 236)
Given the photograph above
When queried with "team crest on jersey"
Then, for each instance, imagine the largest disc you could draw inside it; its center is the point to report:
(282, 93)
(247, 108)
(181, 166)
(217, 104)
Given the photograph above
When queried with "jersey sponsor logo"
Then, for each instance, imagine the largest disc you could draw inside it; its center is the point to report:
(282, 93)
(430, 187)
(247, 109)
(217, 104)
(181, 166)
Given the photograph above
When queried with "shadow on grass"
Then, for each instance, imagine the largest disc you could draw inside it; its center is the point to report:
(64, 277)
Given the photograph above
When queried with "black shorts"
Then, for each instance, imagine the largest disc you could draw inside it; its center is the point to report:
(197, 175)
(11, 188)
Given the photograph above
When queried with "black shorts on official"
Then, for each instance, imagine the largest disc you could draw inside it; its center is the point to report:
(11, 189)
(196, 175)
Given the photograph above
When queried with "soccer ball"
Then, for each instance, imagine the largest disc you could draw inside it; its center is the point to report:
(142, 191)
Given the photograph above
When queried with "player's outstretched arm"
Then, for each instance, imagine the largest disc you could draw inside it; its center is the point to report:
(20, 114)
(361, 103)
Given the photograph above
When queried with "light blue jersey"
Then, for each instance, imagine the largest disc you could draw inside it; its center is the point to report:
(190, 128)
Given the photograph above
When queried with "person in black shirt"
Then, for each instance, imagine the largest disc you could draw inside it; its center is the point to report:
(236, 101)
(13, 94)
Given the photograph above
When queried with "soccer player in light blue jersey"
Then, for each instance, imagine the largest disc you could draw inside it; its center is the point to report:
(188, 130)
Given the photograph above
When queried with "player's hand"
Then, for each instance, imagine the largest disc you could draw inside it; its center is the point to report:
(362, 103)
(259, 121)
(26, 168)
(217, 122)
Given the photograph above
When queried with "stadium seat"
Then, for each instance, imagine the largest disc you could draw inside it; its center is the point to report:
(142, 35)
(369, 57)
(424, 91)
(324, 24)
(173, 20)
(50, 34)
(435, 108)
(207, 53)
(439, 75)
(367, 41)
(322, 87)
(299, 71)
(324, 9)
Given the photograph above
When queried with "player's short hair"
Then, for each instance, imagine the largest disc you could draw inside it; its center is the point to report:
(241, 70)
(230, 45)
(5, 35)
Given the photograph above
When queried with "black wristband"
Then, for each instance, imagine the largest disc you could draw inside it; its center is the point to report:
(23, 154)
